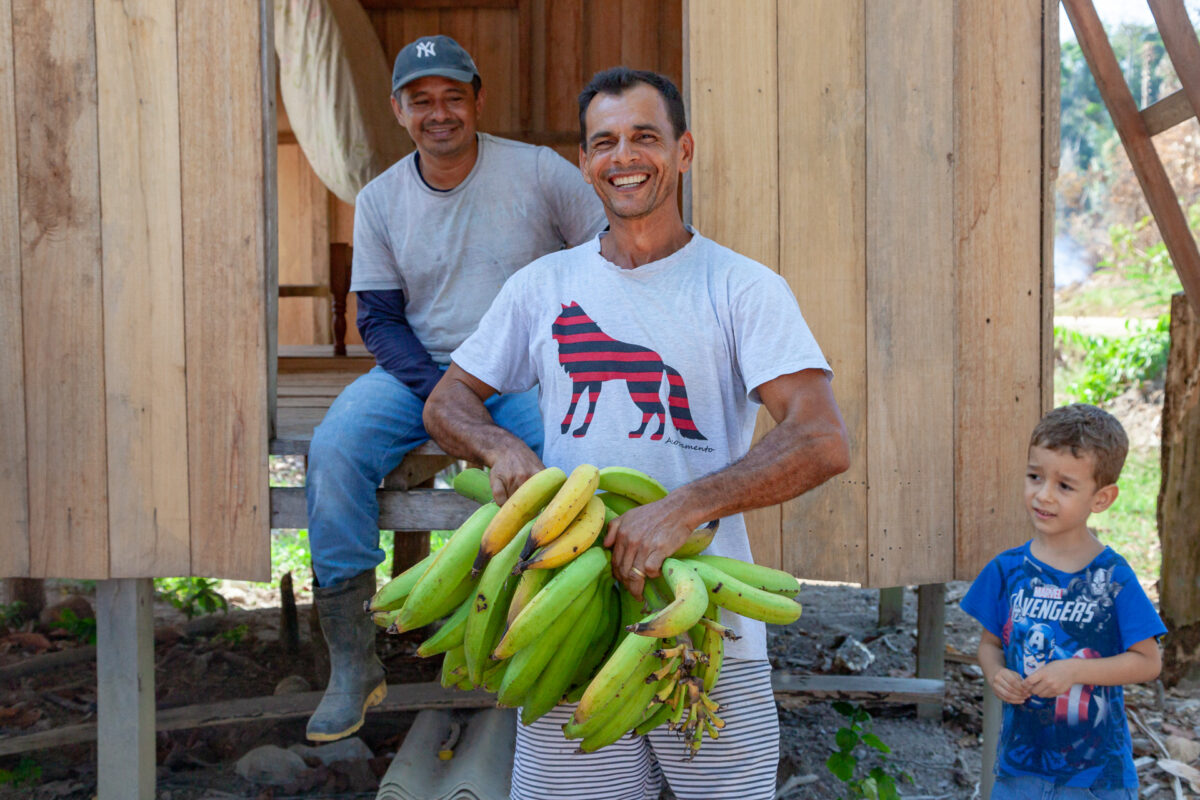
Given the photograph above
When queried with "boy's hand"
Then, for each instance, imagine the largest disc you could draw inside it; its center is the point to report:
(1009, 687)
(1053, 679)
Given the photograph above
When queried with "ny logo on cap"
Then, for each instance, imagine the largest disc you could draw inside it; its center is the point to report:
(425, 49)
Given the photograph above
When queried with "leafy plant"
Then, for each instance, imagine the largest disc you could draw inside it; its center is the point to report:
(82, 628)
(879, 783)
(11, 614)
(235, 635)
(192, 596)
(27, 773)
(1110, 364)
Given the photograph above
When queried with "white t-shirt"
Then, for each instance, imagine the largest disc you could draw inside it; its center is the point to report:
(680, 343)
(450, 252)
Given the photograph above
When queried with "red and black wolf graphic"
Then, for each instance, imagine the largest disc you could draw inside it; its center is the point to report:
(590, 357)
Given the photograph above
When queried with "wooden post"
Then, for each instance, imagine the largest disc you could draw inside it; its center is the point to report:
(125, 688)
(891, 606)
(931, 641)
(1179, 497)
(993, 713)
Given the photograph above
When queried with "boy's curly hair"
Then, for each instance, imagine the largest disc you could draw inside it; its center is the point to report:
(1083, 428)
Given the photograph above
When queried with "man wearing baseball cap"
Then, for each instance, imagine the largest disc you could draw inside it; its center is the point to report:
(435, 237)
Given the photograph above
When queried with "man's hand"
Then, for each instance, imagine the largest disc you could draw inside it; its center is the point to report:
(1053, 679)
(1009, 687)
(513, 466)
(641, 538)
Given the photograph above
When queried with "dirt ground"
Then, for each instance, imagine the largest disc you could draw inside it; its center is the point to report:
(214, 658)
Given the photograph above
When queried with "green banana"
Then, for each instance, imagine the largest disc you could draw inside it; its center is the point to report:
(489, 610)
(385, 619)
(630, 711)
(601, 643)
(527, 664)
(556, 678)
(571, 498)
(392, 594)
(775, 581)
(493, 676)
(453, 667)
(741, 598)
(449, 567)
(617, 503)
(549, 602)
(475, 484)
(681, 613)
(632, 655)
(438, 607)
(632, 483)
(713, 648)
(659, 714)
(698, 540)
(450, 634)
(518, 509)
(578, 537)
(530, 583)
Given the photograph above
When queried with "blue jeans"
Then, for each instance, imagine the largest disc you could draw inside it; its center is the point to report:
(368, 430)
(1029, 788)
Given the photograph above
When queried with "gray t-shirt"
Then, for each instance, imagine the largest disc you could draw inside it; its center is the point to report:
(450, 252)
(681, 343)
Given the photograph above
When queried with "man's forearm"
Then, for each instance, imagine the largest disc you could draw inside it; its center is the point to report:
(791, 459)
(459, 421)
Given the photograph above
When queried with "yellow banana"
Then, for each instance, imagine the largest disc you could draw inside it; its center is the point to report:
(489, 608)
(578, 537)
(475, 484)
(632, 483)
(549, 602)
(685, 610)
(451, 564)
(741, 598)
(768, 579)
(571, 499)
(392, 594)
(517, 510)
(698, 540)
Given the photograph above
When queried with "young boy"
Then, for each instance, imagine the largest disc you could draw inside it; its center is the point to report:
(1065, 623)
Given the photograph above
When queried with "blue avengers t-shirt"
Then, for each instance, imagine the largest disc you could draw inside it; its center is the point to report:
(1041, 614)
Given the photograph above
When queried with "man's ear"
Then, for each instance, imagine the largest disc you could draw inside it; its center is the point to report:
(583, 164)
(398, 111)
(1104, 497)
(687, 149)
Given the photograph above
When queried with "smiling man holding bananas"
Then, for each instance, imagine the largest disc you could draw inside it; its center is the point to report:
(697, 337)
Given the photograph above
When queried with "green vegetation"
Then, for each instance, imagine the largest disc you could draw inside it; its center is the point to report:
(11, 614)
(82, 628)
(1130, 526)
(26, 773)
(1097, 368)
(880, 782)
(192, 596)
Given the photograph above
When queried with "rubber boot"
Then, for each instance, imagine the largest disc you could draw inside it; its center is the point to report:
(356, 675)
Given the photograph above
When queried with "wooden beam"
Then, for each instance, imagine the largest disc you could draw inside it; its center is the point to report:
(931, 641)
(1147, 166)
(418, 696)
(413, 510)
(1167, 113)
(1179, 39)
(125, 688)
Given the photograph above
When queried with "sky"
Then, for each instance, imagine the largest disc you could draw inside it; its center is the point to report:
(1114, 12)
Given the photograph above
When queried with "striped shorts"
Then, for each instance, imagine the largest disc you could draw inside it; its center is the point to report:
(740, 765)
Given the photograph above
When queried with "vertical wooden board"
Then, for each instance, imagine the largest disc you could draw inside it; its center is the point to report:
(459, 25)
(735, 174)
(495, 55)
(145, 381)
(670, 40)
(1051, 142)
(58, 168)
(998, 239)
(533, 19)
(416, 23)
(224, 254)
(393, 35)
(639, 33)
(303, 247)
(602, 34)
(564, 64)
(910, 291)
(14, 467)
(822, 197)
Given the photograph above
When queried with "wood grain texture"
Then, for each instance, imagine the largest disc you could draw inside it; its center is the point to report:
(564, 64)
(55, 81)
(303, 247)
(145, 379)
(14, 467)
(735, 174)
(910, 283)
(998, 238)
(822, 201)
(1051, 143)
(224, 252)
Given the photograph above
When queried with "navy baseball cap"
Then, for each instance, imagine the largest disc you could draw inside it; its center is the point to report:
(432, 55)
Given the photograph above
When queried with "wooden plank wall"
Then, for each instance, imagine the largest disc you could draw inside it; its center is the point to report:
(913, 223)
(133, 233)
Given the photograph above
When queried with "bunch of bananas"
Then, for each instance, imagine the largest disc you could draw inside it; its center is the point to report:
(530, 610)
